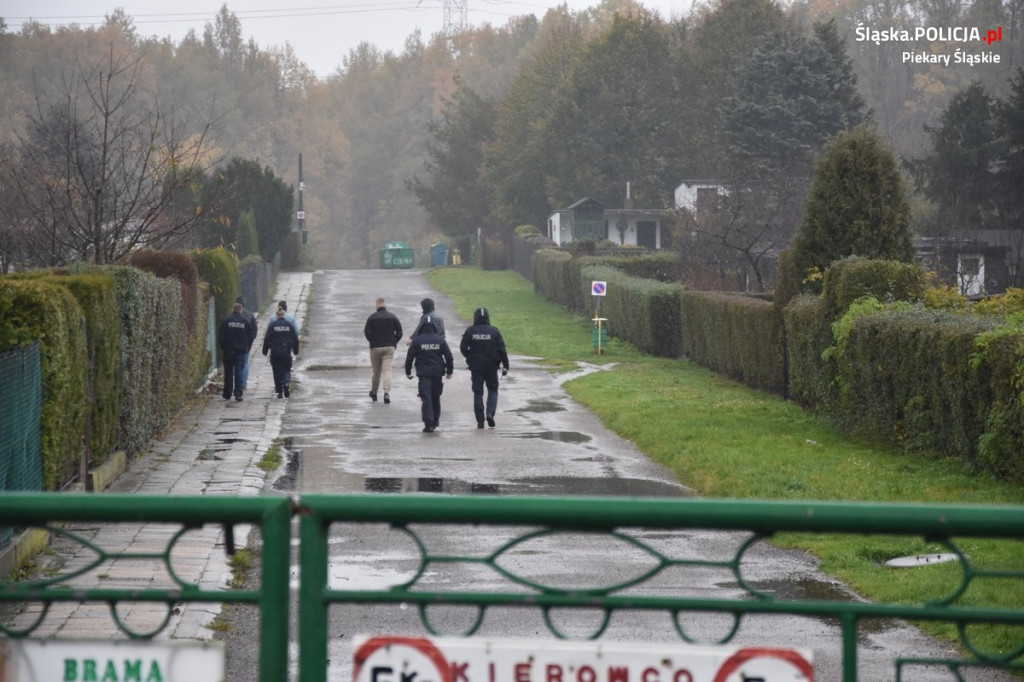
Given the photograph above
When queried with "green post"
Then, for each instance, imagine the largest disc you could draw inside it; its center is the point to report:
(313, 558)
(274, 589)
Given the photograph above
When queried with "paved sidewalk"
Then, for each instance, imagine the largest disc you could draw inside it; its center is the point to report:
(213, 448)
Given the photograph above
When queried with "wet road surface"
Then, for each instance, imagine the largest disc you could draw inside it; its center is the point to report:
(339, 441)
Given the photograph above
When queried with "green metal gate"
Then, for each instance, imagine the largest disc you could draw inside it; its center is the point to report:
(525, 521)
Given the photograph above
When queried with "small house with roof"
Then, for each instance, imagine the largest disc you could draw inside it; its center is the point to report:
(591, 219)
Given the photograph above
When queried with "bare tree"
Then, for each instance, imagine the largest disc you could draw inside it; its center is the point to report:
(753, 221)
(100, 169)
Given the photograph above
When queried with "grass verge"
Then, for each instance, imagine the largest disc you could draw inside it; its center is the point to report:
(271, 458)
(726, 440)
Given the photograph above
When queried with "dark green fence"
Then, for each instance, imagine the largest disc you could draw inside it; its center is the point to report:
(436, 572)
(166, 520)
(21, 405)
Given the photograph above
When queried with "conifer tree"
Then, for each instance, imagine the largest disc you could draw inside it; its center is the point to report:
(857, 206)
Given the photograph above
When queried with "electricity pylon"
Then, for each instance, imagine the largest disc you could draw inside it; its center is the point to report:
(456, 17)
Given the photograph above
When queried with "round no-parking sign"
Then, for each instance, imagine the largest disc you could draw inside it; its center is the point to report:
(764, 664)
(399, 659)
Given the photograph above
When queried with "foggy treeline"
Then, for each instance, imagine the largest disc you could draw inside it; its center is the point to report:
(544, 112)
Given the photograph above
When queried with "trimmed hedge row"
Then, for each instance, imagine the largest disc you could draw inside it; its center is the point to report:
(646, 312)
(886, 280)
(38, 309)
(906, 375)
(895, 373)
(94, 291)
(219, 269)
(123, 350)
(738, 336)
(808, 328)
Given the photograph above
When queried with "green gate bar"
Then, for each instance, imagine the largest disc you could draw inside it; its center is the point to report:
(271, 514)
(539, 516)
(549, 515)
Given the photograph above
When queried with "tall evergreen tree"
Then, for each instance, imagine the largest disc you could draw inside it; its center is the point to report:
(960, 173)
(454, 195)
(243, 185)
(1010, 176)
(609, 126)
(857, 206)
(517, 162)
(710, 71)
(792, 95)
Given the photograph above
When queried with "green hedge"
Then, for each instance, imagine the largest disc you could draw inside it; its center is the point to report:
(138, 296)
(94, 291)
(936, 381)
(219, 269)
(181, 316)
(122, 352)
(661, 267)
(808, 328)
(33, 309)
(886, 280)
(739, 336)
(553, 276)
(641, 311)
(998, 362)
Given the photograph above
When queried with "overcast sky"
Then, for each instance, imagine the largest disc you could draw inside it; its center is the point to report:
(321, 31)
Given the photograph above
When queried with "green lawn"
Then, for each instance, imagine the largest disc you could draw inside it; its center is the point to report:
(725, 440)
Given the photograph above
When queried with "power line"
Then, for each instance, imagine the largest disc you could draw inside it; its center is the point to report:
(186, 17)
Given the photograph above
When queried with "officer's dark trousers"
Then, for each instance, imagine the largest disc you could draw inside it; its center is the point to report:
(430, 396)
(479, 379)
(281, 363)
(234, 361)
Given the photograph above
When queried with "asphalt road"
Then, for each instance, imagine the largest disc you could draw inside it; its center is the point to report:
(339, 441)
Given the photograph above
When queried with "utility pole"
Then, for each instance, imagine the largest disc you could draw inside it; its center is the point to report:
(456, 18)
(301, 215)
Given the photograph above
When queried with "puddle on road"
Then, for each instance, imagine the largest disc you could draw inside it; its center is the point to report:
(541, 486)
(541, 406)
(820, 590)
(557, 436)
(805, 588)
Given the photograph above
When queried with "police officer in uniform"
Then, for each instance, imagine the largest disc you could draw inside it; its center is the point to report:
(484, 350)
(281, 341)
(235, 337)
(433, 359)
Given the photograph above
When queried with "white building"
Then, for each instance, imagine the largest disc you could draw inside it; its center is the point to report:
(590, 219)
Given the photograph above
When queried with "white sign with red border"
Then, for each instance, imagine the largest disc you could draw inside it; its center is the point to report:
(438, 659)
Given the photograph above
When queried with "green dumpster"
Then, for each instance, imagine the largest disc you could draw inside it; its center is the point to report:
(396, 255)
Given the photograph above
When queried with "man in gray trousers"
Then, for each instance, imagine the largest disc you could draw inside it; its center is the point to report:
(383, 331)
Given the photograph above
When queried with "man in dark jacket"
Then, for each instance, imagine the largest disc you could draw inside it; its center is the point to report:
(253, 331)
(281, 341)
(235, 338)
(484, 350)
(427, 305)
(433, 361)
(383, 331)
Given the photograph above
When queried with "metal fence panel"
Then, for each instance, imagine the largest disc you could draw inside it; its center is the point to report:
(21, 405)
(547, 517)
(516, 522)
(168, 583)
